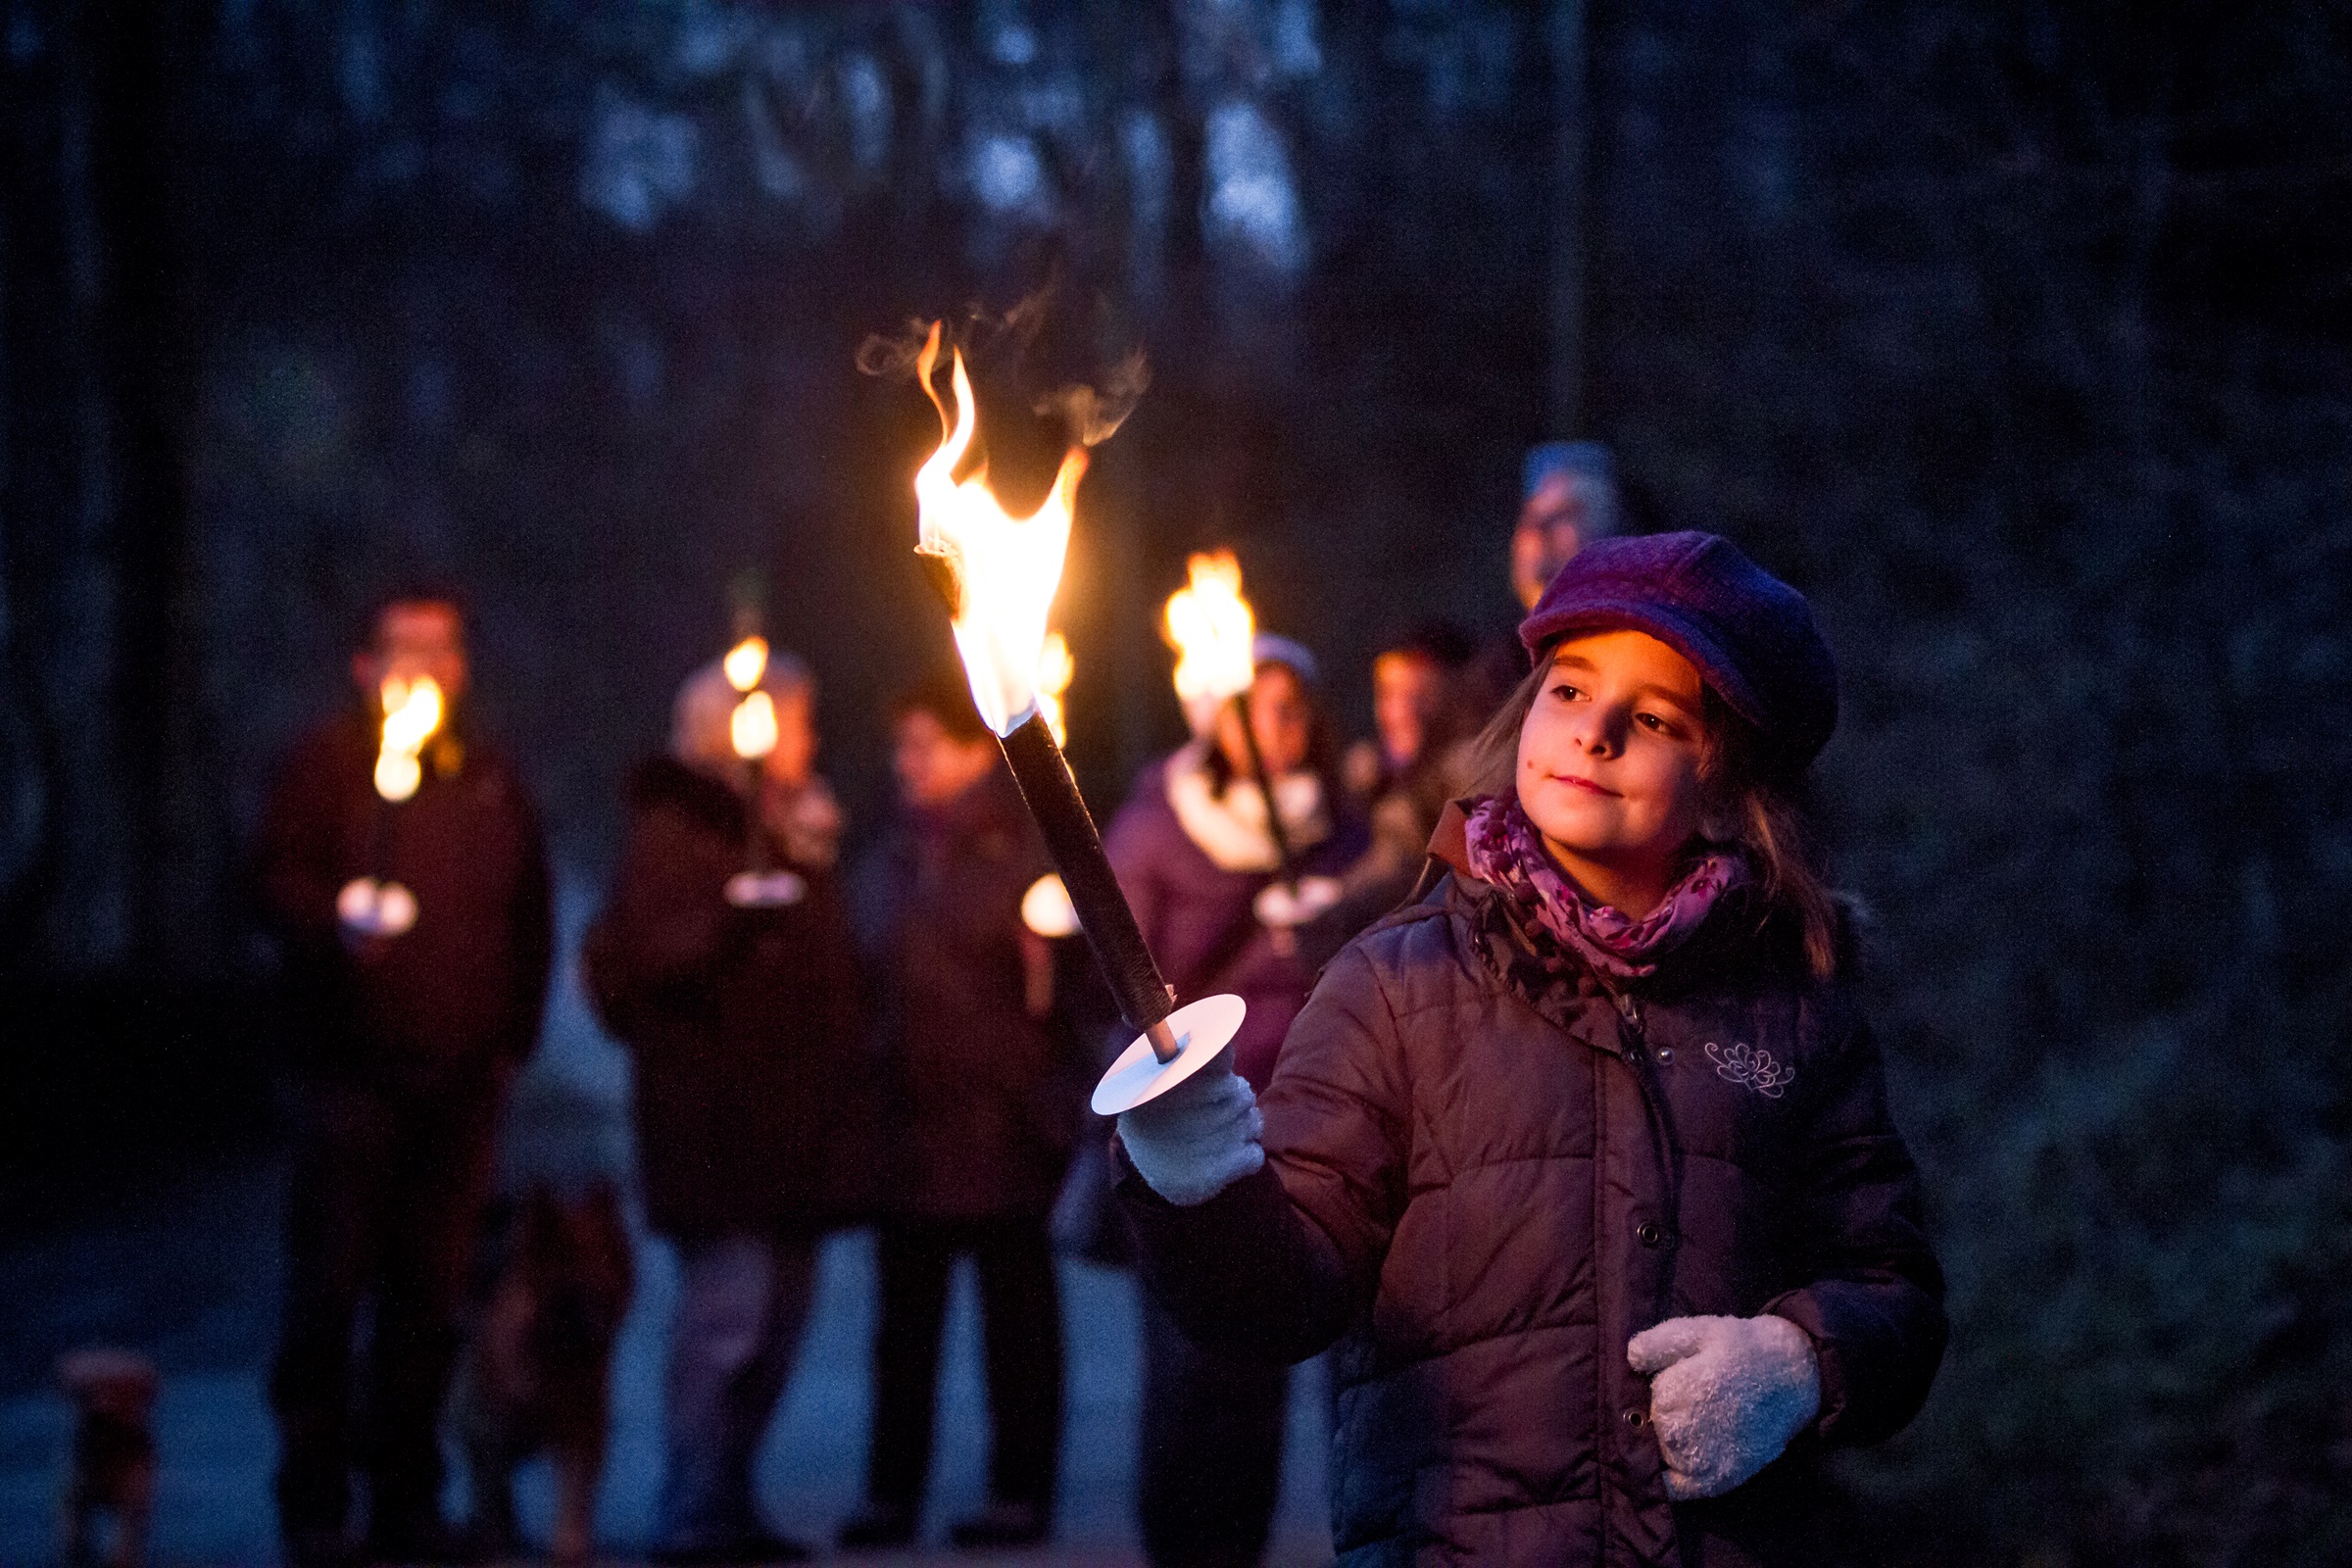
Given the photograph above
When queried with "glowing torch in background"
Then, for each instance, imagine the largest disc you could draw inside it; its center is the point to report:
(998, 576)
(1214, 633)
(751, 727)
(412, 712)
(1055, 669)
(744, 665)
(752, 732)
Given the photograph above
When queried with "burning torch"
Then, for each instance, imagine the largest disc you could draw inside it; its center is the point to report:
(998, 576)
(412, 712)
(1214, 633)
(752, 731)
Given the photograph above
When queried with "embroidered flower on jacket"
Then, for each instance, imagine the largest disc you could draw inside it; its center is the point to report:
(1757, 1069)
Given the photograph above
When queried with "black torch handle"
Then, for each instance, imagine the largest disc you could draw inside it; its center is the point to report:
(379, 836)
(754, 834)
(1044, 775)
(1286, 867)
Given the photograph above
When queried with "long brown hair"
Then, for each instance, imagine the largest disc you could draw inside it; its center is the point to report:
(1742, 804)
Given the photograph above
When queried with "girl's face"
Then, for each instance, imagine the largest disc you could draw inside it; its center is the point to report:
(934, 766)
(1608, 762)
(1407, 690)
(1280, 713)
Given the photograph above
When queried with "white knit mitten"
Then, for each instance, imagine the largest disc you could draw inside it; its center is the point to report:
(1725, 1395)
(1199, 1138)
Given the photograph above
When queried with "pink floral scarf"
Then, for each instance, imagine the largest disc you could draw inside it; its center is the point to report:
(1507, 852)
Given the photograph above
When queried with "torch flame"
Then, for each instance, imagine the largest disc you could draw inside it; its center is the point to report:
(745, 662)
(1054, 671)
(1211, 628)
(999, 574)
(411, 712)
(752, 729)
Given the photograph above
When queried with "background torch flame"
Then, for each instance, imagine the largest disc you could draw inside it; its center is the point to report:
(745, 662)
(1056, 669)
(1210, 627)
(998, 573)
(411, 712)
(753, 727)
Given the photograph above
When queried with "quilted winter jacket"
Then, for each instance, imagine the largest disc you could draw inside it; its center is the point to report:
(1486, 1172)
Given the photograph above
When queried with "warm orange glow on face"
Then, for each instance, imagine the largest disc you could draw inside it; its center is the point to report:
(1004, 571)
(411, 712)
(1211, 627)
(1056, 669)
(745, 662)
(753, 727)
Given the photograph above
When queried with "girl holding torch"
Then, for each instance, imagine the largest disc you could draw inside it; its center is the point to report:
(1584, 1159)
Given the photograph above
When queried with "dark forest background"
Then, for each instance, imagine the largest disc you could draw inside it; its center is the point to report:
(2018, 336)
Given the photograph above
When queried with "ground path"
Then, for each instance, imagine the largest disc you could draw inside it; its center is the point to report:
(189, 1272)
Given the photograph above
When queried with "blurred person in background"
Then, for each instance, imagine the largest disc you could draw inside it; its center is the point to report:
(1402, 778)
(1568, 498)
(988, 1086)
(1415, 708)
(405, 1042)
(1194, 857)
(742, 1022)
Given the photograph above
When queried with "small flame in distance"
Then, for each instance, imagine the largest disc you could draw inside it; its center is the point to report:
(1056, 669)
(411, 712)
(1211, 627)
(745, 662)
(998, 573)
(753, 727)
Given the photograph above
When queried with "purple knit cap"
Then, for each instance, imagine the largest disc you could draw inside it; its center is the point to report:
(1750, 636)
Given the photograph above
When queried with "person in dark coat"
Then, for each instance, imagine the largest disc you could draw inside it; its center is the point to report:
(409, 1026)
(1584, 1158)
(989, 1086)
(1196, 861)
(742, 1020)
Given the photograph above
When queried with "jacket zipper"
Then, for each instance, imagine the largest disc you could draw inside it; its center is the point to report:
(1630, 1011)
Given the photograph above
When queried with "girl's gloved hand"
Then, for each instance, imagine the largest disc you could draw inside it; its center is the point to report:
(1725, 1395)
(1199, 1138)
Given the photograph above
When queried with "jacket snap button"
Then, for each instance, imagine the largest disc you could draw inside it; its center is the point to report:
(1649, 1232)
(1665, 1056)
(1636, 1417)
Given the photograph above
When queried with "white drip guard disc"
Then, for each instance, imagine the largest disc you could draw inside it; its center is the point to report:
(1201, 1029)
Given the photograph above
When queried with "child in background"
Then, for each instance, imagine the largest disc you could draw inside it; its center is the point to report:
(1401, 780)
(1194, 857)
(984, 1084)
(1584, 1157)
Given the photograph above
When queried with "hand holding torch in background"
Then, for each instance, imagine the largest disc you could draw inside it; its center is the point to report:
(1214, 632)
(753, 732)
(413, 710)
